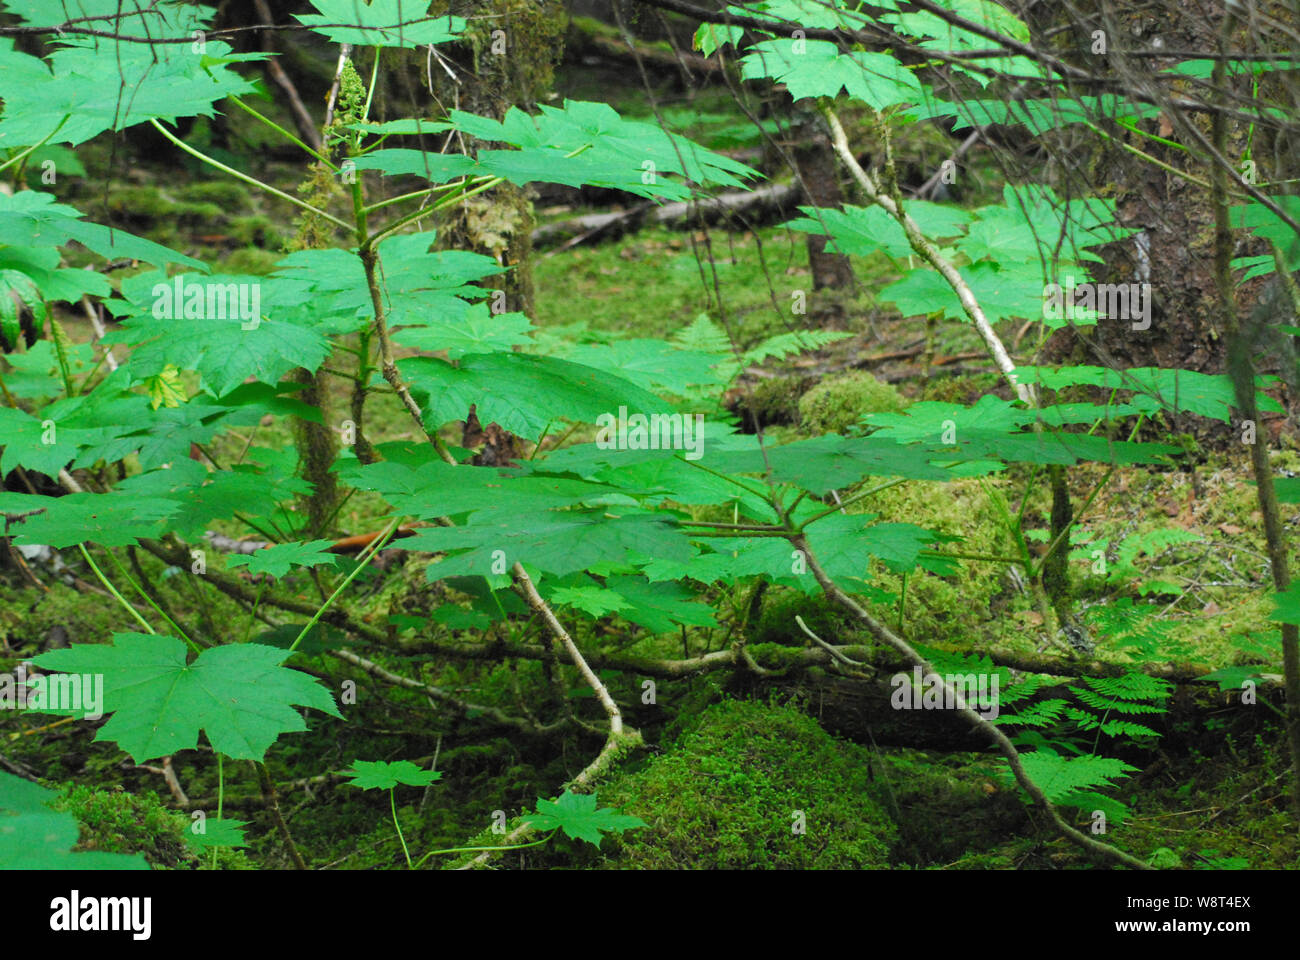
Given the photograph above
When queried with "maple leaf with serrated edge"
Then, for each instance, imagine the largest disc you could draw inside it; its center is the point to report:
(557, 542)
(577, 815)
(109, 519)
(521, 392)
(659, 607)
(381, 23)
(239, 695)
(386, 774)
(477, 331)
(592, 600)
(816, 68)
(91, 84)
(34, 219)
(277, 560)
(217, 833)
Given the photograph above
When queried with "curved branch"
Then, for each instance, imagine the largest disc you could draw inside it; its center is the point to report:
(1095, 848)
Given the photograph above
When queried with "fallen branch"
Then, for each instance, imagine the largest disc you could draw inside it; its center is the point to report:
(776, 197)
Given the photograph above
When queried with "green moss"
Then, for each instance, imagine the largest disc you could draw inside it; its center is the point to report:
(115, 821)
(250, 260)
(836, 404)
(227, 195)
(726, 796)
(963, 390)
(775, 401)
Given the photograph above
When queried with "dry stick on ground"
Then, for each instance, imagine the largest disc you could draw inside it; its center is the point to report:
(1094, 847)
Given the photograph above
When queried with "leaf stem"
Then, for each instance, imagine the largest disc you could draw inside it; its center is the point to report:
(108, 585)
(366, 557)
(246, 178)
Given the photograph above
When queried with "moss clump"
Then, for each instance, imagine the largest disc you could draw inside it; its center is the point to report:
(229, 196)
(774, 401)
(115, 821)
(725, 796)
(835, 405)
(963, 390)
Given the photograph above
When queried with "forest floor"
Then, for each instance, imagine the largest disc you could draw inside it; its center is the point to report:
(1189, 551)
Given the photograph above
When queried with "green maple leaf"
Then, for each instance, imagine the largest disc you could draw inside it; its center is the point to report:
(816, 68)
(557, 542)
(386, 774)
(327, 290)
(577, 815)
(592, 600)
(1156, 388)
(830, 462)
(659, 607)
(278, 559)
(381, 23)
(238, 695)
(860, 231)
(221, 832)
(224, 350)
(202, 496)
(651, 364)
(522, 392)
(34, 837)
(478, 331)
(437, 489)
(90, 84)
(41, 444)
(31, 218)
(36, 372)
(109, 519)
(586, 142)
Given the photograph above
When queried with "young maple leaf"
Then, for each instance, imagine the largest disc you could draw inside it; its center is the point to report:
(386, 774)
(576, 814)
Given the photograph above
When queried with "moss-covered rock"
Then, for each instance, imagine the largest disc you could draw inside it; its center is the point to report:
(727, 795)
(836, 404)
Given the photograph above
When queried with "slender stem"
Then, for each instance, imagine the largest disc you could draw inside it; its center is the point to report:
(392, 803)
(513, 846)
(284, 133)
(35, 146)
(246, 178)
(421, 193)
(374, 76)
(148, 599)
(366, 557)
(221, 799)
(425, 211)
(861, 495)
(252, 616)
(113, 590)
